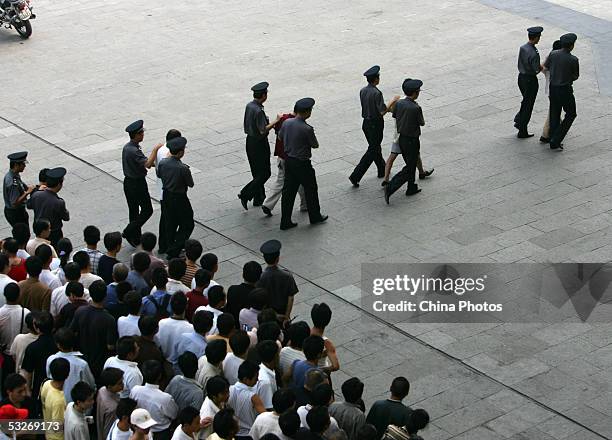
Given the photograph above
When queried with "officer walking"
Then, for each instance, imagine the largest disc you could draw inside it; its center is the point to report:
(299, 140)
(373, 109)
(256, 127)
(564, 70)
(47, 204)
(409, 118)
(528, 66)
(15, 191)
(135, 165)
(176, 178)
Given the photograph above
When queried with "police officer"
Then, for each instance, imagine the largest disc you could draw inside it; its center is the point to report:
(299, 140)
(409, 117)
(15, 191)
(176, 178)
(256, 127)
(528, 66)
(135, 165)
(564, 70)
(373, 109)
(47, 204)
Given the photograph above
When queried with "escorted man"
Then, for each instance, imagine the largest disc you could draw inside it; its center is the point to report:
(176, 178)
(564, 70)
(162, 153)
(15, 191)
(299, 139)
(256, 127)
(409, 117)
(373, 109)
(135, 165)
(528, 66)
(48, 205)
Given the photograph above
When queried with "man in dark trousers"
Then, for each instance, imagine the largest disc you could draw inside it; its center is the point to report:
(48, 205)
(299, 140)
(373, 109)
(564, 70)
(256, 127)
(528, 66)
(16, 192)
(135, 165)
(176, 179)
(409, 117)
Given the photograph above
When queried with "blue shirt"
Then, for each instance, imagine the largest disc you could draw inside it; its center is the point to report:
(193, 342)
(111, 295)
(138, 283)
(149, 308)
(300, 368)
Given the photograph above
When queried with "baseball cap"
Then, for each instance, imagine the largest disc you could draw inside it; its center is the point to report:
(141, 418)
(9, 412)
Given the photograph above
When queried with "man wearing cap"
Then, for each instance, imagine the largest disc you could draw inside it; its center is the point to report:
(176, 178)
(564, 70)
(299, 140)
(48, 205)
(373, 109)
(15, 191)
(528, 66)
(256, 127)
(409, 117)
(135, 165)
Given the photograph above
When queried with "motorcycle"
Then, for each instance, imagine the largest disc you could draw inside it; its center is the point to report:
(17, 14)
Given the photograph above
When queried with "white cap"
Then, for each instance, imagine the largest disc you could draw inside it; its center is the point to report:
(141, 418)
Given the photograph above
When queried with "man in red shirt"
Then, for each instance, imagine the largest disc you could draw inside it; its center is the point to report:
(196, 298)
(276, 189)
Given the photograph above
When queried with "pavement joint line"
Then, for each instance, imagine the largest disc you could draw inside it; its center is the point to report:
(369, 314)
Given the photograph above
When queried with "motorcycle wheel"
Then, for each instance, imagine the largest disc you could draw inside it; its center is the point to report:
(24, 29)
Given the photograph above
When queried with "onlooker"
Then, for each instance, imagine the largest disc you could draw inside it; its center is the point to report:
(64, 250)
(87, 277)
(391, 411)
(243, 397)
(322, 396)
(209, 262)
(314, 377)
(47, 277)
(120, 274)
(195, 341)
(193, 251)
(157, 303)
(41, 229)
(141, 423)
(127, 353)
(293, 351)
(289, 424)
(72, 273)
(91, 235)
(239, 343)
(225, 329)
(268, 422)
(349, 414)
(184, 389)
(149, 350)
(225, 425)
(140, 263)
(321, 317)
(4, 278)
(12, 320)
(21, 342)
(238, 295)
(35, 358)
(128, 325)
(266, 383)
(52, 397)
(170, 329)
(216, 302)
(107, 399)
(21, 234)
(176, 271)
(258, 298)
(17, 265)
(75, 293)
(75, 424)
(121, 427)
(119, 307)
(16, 394)
(318, 421)
(217, 395)
(367, 432)
(211, 364)
(196, 297)
(34, 294)
(313, 350)
(148, 243)
(112, 243)
(417, 420)
(189, 424)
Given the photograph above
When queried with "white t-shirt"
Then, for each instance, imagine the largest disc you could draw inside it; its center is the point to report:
(265, 423)
(128, 326)
(180, 435)
(208, 409)
(231, 363)
(88, 278)
(4, 280)
(162, 153)
(50, 279)
(131, 374)
(59, 299)
(169, 335)
(116, 434)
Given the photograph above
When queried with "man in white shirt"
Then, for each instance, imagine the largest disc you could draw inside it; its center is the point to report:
(75, 424)
(46, 276)
(87, 278)
(72, 272)
(211, 364)
(177, 267)
(243, 397)
(189, 424)
(128, 325)
(267, 422)
(217, 394)
(12, 317)
(5, 268)
(42, 229)
(296, 333)
(127, 352)
(160, 405)
(322, 395)
(216, 302)
(171, 329)
(266, 383)
(21, 342)
(239, 343)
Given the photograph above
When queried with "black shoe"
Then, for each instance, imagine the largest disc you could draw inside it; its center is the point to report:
(544, 140)
(323, 219)
(384, 183)
(413, 191)
(354, 182)
(130, 240)
(266, 211)
(289, 226)
(387, 195)
(516, 125)
(257, 203)
(524, 135)
(556, 147)
(426, 174)
(243, 202)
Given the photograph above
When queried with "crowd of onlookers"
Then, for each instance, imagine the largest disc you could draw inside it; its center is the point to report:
(149, 348)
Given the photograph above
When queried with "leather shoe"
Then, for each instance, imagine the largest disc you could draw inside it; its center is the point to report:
(257, 203)
(413, 191)
(243, 202)
(524, 135)
(556, 147)
(323, 219)
(516, 125)
(426, 174)
(384, 183)
(289, 226)
(544, 140)
(266, 211)
(354, 182)
(387, 195)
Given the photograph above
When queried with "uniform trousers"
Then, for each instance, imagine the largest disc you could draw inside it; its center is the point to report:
(179, 221)
(162, 241)
(54, 236)
(410, 147)
(258, 153)
(16, 215)
(139, 206)
(561, 98)
(373, 130)
(276, 189)
(528, 85)
(299, 172)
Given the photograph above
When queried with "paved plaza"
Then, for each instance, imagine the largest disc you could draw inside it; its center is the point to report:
(93, 66)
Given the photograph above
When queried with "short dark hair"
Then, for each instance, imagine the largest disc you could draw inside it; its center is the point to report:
(148, 241)
(216, 294)
(148, 325)
(321, 315)
(193, 249)
(10, 245)
(251, 271)
(125, 346)
(42, 175)
(352, 390)
(188, 363)
(209, 261)
(152, 371)
(34, 266)
(314, 377)
(267, 315)
(202, 321)
(97, 291)
(178, 303)
(59, 368)
(65, 338)
(367, 432)
(112, 240)
(141, 261)
(321, 394)
(267, 350)
(313, 347)
(81, 391)
(159, 277)
(318, 419)
(297, 333)
(202, 277)
(82, 259)
(74, 288)
(120, 272)
(215, 351)
(289, 423)
(125, 407)
(133, 301)
(187, 414)
(557, 45)
(283, 400)
(271, 258)
(122, 289)
(29, 320)
(72, 271)
(91, 235)
(239, 342)
(44, 322)
(13, 381)
(417, 420)
(4, 262)
(40, 226)
(172, 133)
(216, 385)
(11, 292)
(258, 298)
(224, 423)
(177, 268)
(225, 324)
(110, 376)
(268, 331)
(248, 370)
(400, 387)
(21, 233)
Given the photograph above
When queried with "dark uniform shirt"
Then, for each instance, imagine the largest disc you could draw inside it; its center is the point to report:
(133, 161)
(529, 60)
(563, 67)
(255, 120)
(372, 102)
(47, 204)
(175, 175)
(12, 188)
(409, 117)
(280, 285)
(299, 138)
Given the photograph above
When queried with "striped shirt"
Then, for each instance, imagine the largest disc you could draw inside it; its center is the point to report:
(287, 356)
(240, 401)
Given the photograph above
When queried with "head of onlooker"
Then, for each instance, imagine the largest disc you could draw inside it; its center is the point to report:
(283, 400)
(210, 262)
(148, 326)
(367, 432)
(289, 423)
(141, 262)
(159, 277)
(251, 272)
(225, 424)
(215, 352)
(148, 241)
(10, 247)
(268, 353)
(313, 378)
(11, 293)
(418, 419)
(321, 317)
(21, 233)
(43, 323)
(65, 339)
(216, 297)
(112, 379)
(72, 272)
(239, 343)
(178, 305)
(226, 324)
(322, 395)
(193, 250)
(5, 264)
(74, 291)
(248, 373)
(400, 387)
(258, 298)
(34, 267)
(177, 268)
(133, 301)
(313, 347)
(124, 410)
(202, 279)
(82, 259)
(152, 371)
(29, 321)
(268, 331)
(202, 322)
(267, 315)
(83, 397)
(97, 292)
(352, 391)
(112, 243)
(42, 228)
(188, 364)
(318, 419)
(122, 289)
(189, 419)
(64, 249)
(91, 235)
(16, 389)
(45, 254)
(120, 272)
(141, 422)
(297, 333)
(217, 390)
(59, 370)
(127, 348)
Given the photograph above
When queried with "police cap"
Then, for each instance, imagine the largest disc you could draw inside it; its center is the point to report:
(568, 39)
(372, 71)
(260, 87)
(135, 126)
(270, 247)
(304, 104)
(535, 31)
(411, 85)
(56, 173)
(18, 157)
(176, 144)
